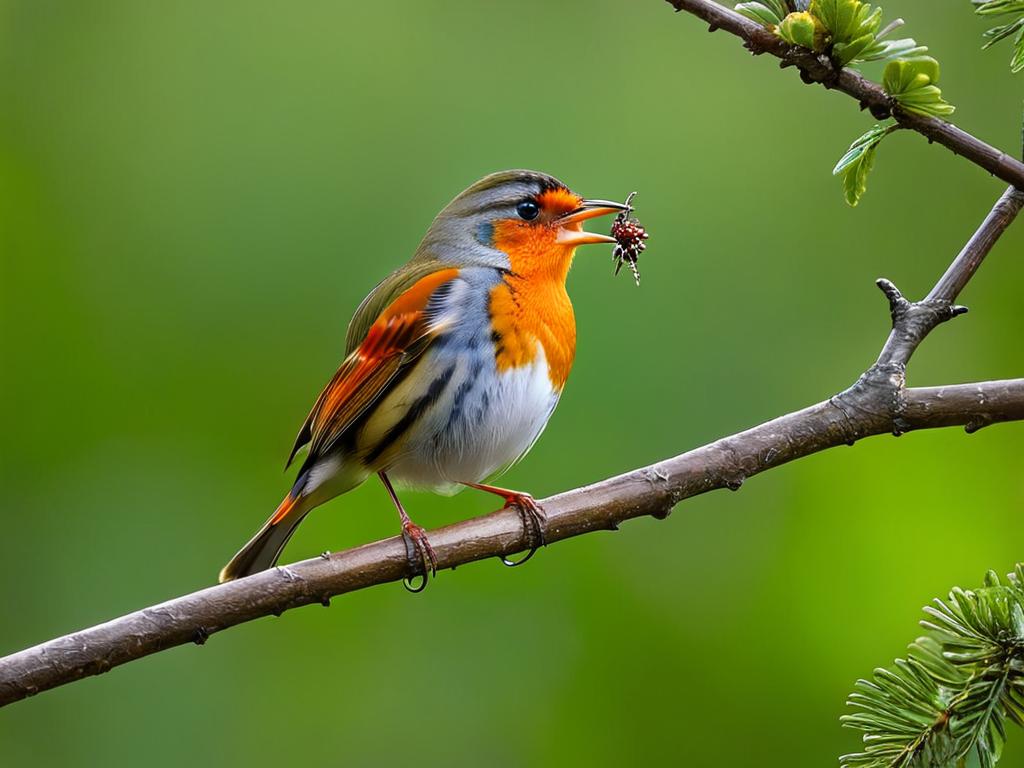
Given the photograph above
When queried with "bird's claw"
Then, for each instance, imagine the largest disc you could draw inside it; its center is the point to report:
(533, 518)
(420, 556)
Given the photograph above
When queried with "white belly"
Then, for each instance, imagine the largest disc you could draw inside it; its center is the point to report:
(483, 423)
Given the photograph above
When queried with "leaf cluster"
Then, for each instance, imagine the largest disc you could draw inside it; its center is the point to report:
(947, 703)
(849, 31)
(1014, 27)
(912, 83)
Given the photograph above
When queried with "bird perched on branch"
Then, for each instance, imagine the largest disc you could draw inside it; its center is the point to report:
(454, 363)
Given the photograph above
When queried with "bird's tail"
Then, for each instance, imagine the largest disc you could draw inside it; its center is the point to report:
(263, 549)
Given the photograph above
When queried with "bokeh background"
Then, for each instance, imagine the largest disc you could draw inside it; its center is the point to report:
(195, 196)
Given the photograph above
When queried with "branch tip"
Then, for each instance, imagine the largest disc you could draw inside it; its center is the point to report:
(761, 40)
(898, 305)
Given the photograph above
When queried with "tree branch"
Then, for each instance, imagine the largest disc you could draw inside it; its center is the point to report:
(877, 403)
(652, 490)
(913, 321)
(818, 68)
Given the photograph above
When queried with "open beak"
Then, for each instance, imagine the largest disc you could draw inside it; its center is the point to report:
(570, 226)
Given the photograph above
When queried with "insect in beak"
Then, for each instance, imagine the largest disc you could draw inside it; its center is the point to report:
(570, 229)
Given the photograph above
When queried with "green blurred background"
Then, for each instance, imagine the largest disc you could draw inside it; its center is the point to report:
(195, 196)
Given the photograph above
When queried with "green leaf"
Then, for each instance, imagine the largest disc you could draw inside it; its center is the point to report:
(886, 50)
(998, 7)
(844, 53)
(837, 16)
(762, 13)
(856, 164)
(1017, 60)
(847, 20)
(905, 74)
(802, 29)
(994, 35)
(911, 83)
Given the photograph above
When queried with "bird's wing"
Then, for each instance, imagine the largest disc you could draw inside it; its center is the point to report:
(390, 329)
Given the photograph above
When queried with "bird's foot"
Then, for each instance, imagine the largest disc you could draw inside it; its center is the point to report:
(420, 556)
(530, 512)
(534, 522)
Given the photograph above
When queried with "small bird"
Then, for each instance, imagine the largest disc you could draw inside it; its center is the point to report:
(454, 363)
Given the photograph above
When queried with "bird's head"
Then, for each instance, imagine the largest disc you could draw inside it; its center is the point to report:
(523, 221)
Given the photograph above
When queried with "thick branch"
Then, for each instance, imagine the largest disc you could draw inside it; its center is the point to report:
(818, 68)
(653, 490)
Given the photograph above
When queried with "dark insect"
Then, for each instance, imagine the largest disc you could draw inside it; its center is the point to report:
(630, 235)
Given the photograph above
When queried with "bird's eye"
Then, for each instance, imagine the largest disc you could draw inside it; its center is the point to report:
(527, 210)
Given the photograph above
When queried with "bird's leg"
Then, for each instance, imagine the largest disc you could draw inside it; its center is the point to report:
(530, 512)
(419, 553)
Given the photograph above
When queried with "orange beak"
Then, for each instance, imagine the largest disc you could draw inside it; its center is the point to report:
(570, 226)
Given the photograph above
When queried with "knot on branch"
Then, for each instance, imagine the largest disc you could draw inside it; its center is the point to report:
(875, 394)
(904, 312)
(911, 322)
(815, 68)
(878, 110)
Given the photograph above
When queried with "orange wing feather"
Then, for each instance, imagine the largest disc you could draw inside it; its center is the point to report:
(399, 335)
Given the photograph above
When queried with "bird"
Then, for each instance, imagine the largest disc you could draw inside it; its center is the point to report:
(453, 364)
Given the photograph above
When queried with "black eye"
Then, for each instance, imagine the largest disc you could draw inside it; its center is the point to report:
(527, 210)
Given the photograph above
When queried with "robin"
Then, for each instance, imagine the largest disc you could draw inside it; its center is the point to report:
(454, 363)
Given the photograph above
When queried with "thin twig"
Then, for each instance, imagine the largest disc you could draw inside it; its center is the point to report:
(818, 68)
(912, 321)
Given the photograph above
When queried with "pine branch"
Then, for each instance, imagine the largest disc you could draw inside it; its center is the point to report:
(949, 699)
(877, 403)
(818, 68)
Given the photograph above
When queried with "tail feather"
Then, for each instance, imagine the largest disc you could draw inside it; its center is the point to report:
(263, 549)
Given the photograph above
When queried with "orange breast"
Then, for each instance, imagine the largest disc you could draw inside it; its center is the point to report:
(531, 305)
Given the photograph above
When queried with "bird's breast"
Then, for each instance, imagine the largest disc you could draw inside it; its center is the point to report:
(526, 313)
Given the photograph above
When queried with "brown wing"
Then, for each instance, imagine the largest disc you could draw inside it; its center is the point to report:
(399, 335)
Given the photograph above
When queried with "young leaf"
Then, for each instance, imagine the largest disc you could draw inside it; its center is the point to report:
(854, 50)
(911, 82)
(856, 164)
(763, 13)
(801, 28)
(847, 20)
(838, 17)
(887, 50)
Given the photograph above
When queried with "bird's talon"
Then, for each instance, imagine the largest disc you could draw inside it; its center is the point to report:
(420, 556)
(410, 586)
(533, 519)
(515, 563)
